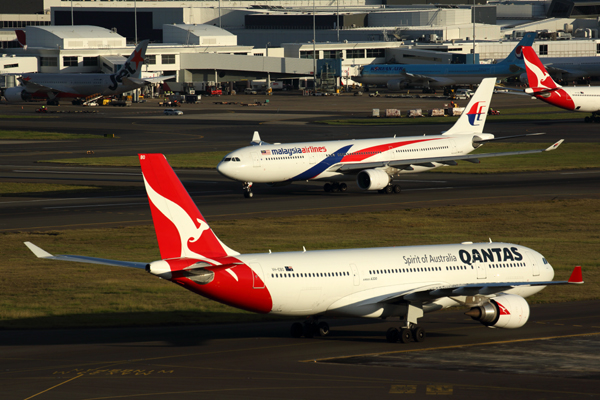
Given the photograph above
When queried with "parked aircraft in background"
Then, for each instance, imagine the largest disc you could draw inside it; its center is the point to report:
(374, 163)
(569, 68)
(56, 86)
(491, 278)
(399, 76)
(543, 87)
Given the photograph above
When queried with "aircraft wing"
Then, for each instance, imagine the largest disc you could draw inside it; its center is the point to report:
(483, 288)
(428, 162)
(556, 70)
(147, 81)
(40, 253)
(419, 77)
(36, 87)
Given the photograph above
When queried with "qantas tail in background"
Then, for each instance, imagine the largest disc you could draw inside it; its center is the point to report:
(472, 120)
(541, 84)
(537, 76)
(21, 38)
(181, 229)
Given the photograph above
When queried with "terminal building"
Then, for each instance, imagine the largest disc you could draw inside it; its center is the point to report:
(215, 42)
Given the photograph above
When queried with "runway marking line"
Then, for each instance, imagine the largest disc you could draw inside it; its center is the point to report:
(452, 347)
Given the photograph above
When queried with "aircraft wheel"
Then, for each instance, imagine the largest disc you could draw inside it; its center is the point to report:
(343, 187)
(335, 187)
(392, 335)
(405, 335)
(587, 120)
(397, 189)
(418, 334)
(296, 330)
(309, 329)
(597, 119)
(388, 189)
(323, 328)
(248, 194)
(327, 187)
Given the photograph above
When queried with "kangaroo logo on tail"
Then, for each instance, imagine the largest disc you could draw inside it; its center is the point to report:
(181, 229)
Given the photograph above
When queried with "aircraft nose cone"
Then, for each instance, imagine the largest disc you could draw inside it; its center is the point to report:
(224, 168)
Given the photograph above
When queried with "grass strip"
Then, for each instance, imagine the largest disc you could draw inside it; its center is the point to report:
(567, 156)
(51, 294)
(34, 135)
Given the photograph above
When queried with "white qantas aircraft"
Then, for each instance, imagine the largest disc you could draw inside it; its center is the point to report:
(405, 282)
(55, 86)
(543, 87)
(374, 163)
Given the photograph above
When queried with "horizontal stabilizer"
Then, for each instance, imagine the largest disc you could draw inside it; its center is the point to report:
(41, 253)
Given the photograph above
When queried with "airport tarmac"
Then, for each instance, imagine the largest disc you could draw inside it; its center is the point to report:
(547, 358)
(554, 356)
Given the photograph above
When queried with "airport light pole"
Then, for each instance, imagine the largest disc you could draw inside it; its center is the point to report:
(473, 31)
(314, 50)
(135, 19)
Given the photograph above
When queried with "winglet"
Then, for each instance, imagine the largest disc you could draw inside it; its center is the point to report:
(39, 253)
(555, 145)
(576, 276)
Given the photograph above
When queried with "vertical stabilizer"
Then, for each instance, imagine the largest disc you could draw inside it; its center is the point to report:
(472, 120)
(516, 55)
(181, 229)
(537, 76)
(135, 61)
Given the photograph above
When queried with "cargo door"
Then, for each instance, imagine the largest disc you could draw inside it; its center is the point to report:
(481, 271)
(453, 149)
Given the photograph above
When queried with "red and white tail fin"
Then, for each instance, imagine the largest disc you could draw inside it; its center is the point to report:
(537, 76)
(181, 229)
(134, 62)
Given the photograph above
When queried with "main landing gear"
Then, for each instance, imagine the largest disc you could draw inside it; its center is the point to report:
(247, 187)
(309, 329)
(405, 335)
(595, 117)
(334, 187)
(389, 189)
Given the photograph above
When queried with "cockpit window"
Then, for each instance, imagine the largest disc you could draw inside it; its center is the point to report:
(236, 159)
(227, 159)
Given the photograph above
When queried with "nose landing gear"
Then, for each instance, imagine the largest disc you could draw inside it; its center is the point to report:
(247, 187)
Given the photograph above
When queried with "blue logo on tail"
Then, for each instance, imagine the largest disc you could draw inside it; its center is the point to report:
(477, 110)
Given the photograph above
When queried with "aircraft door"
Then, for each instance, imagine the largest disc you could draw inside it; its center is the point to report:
(255, 159)
(481, 271)
(355, 274)
(535, 267)
(392, 153)
(258, 281)
(311, 158)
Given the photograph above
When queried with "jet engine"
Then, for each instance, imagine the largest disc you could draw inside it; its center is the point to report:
(395, 85)
(506, 311)
(17, 94)
(523, 78)
(372, 179)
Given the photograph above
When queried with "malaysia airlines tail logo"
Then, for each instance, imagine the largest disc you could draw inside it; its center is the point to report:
(477, 110)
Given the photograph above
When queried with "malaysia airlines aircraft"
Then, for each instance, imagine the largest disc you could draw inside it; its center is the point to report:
(374, 163)
(55, 86)
(399, 76)
(543, 87)
(491, 278)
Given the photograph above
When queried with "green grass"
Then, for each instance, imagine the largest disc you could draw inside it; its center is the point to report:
(41, 294)
(567, 156)
(33, 135)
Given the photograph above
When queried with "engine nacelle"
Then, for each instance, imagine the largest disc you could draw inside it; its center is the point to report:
(17, 94)
(395, 85)
(506, 311)
(372, 179)
(523, 78)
